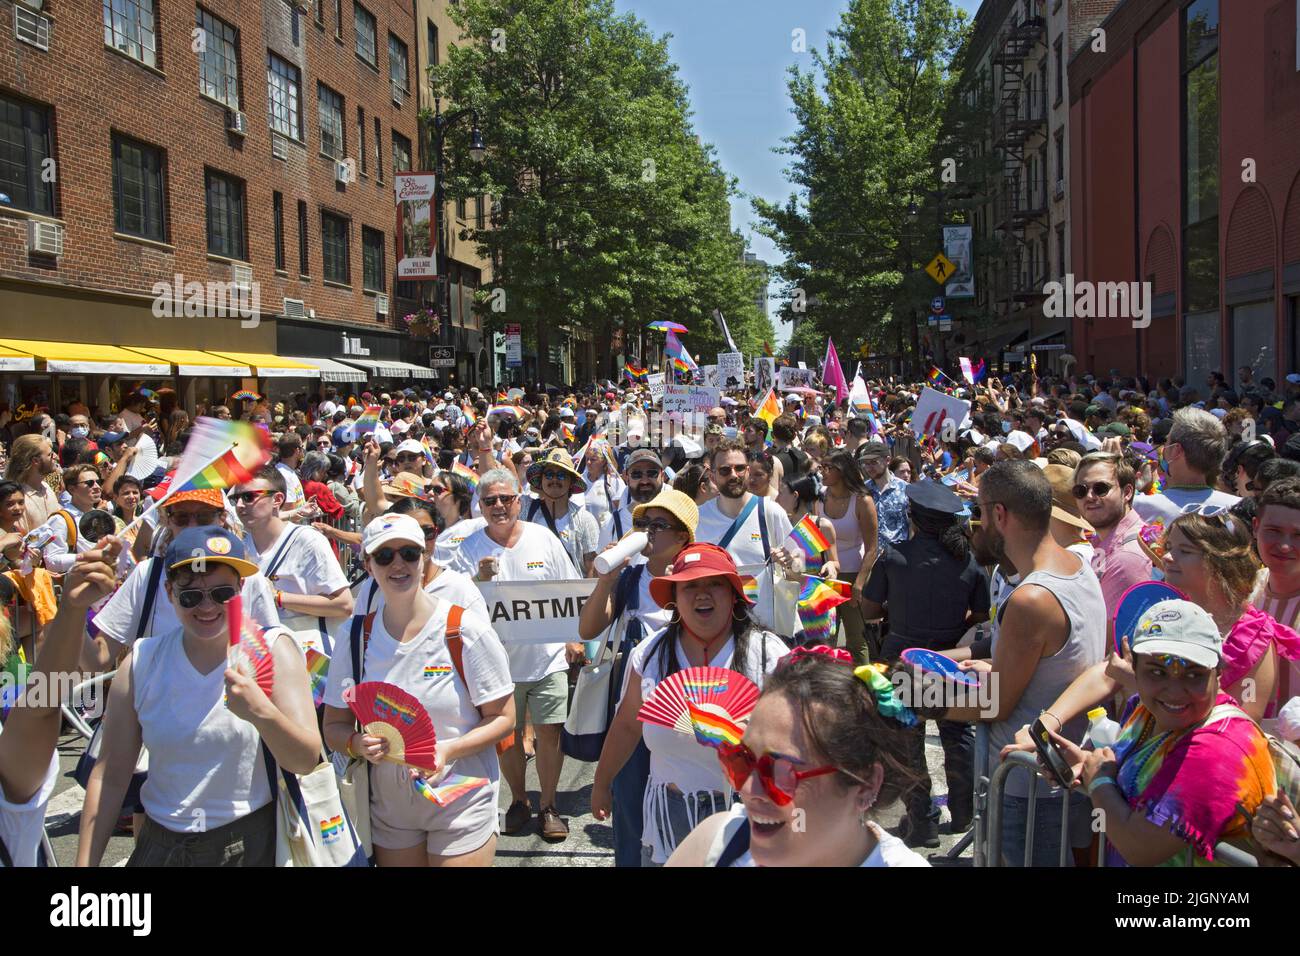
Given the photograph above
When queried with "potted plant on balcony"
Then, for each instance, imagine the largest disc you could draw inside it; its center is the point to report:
(423, 323)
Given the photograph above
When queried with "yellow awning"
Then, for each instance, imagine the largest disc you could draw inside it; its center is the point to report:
(272, 366)
(11, 360)
(76, 358)
(195, 362)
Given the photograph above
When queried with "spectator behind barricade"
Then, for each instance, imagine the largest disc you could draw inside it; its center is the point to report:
(901, 469)
(336, 479)
(824, 744)
(13, 511)
(1189, 460)
(312, 474)
(1242, 464)
(509, 549)
(31, 458)
(1070, 530)
(1050, 629)
(711, 626)
(1104, 485)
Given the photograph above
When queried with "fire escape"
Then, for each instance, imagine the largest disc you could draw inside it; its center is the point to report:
(1019, 129)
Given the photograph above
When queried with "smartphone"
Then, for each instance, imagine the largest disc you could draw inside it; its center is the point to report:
(1048, 753)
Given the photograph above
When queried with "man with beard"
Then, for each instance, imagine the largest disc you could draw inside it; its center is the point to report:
(1048, 631)
(31, 458)
(644, 475)
(1104, 485)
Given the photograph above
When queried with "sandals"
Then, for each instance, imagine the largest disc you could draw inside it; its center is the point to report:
(554, 829)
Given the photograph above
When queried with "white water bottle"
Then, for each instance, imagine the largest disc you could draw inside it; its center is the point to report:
(631, 545)
(1102, 731)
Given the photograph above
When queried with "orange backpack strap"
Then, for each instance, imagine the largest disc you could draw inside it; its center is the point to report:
(456, 647)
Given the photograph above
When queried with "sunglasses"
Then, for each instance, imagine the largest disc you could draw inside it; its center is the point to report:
(92, 483)
(437, 490)
(1099, 489)
(650, 475)
(549, 475)
(248, 497)
(492, 501)
(726, 471)
(199, 518)
(656, 526)
(778, 775)
(410, 553)
(191, 598)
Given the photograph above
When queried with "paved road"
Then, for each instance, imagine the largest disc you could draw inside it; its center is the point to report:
(589, 843)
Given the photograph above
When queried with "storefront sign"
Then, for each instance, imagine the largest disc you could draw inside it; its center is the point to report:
(440, 356)
(514, 347)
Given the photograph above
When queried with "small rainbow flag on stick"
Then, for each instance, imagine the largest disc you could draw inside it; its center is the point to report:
(809, 537)
(468, 473)
(453, 787)
(318, 669)
(713, 729)
(220, 454)
(368, 421)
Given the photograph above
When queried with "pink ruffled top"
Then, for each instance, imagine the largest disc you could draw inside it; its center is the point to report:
(1250, 639)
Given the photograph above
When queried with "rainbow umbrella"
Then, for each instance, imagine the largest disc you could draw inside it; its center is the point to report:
(664, 325)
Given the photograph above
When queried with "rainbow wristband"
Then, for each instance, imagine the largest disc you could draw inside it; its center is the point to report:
(1101, 781)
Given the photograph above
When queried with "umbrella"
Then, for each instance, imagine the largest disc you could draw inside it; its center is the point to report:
(664, 325)
(803, 389)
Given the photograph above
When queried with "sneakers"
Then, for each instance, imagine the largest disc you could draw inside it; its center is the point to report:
(517, 817)
(925, 833)
(554, 829)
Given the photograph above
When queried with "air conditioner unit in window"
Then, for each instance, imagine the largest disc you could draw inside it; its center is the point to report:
(45, 237)
(243, 276)
(237, 122)
(381, 304)
(32, 27)
(1060, 187)
(34, 4)
(295, 309)
(399, 94)
(279, 146)
(342, 172)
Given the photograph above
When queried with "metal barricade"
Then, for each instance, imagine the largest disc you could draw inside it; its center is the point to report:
(349, 554)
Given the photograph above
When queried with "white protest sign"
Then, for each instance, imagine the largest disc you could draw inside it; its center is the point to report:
(933, 409)
(710, 373)
(764, 374)
(788, 378)
(683, 401)
(656, 383)
(536, 612)
(731, 371)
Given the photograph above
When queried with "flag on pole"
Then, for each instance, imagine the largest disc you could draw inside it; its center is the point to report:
(934, 374)
(220, 454)
(368, 421)
(979, 370)
(832, 373)
(967, 371)
(677, 354)
(809, 537)
(468, 473)
(769, 409)
(726, 332)
(767, 349)
(862, 404)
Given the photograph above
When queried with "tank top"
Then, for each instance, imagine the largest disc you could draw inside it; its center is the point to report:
(848, 535)
(1080, 596)
(205, 764)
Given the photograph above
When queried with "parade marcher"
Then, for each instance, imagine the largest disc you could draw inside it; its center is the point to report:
(605, 488)
(643, 479)
(556, 480)
(711, 626)
(205, 758)
(510, 549)
(746, 526)
(800, 497)
(405, 635)
(848, 505)
(935, 592)
(454, 499)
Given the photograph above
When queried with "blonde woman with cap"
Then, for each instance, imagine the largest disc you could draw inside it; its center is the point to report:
(208, 798)
(623, 597)
(710, 626)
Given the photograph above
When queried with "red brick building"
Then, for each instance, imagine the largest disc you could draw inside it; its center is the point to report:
(1185, 173)
(223, 141)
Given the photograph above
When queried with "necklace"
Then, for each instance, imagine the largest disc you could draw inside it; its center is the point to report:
(707, 646)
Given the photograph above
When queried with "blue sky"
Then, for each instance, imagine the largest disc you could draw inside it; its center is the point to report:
(733, 56)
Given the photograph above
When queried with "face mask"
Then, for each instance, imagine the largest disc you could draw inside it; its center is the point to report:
(1006, 428)
(79, 432)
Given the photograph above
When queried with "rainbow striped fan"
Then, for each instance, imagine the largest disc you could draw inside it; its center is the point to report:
(249, 652)
(385, 710)
(450, 789)
(709, 702)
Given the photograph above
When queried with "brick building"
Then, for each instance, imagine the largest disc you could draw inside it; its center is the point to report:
(221, 142)
(1185, 174)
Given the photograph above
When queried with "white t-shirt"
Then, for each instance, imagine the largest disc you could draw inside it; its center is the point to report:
(120, 617)
(889, 851)
(23, 824)
(538, 556)
(609, 530)
(746, 545)
(293, 496)
(1169, 504)
(423, 667)
(576, 528)
(450, 540)
(308, 565)
(599, 496)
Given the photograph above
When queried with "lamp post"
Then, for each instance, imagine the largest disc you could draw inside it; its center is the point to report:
(442, 123)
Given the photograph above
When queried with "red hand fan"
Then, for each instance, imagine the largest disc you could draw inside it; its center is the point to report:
(385, 710)
(714, 690)
(249, 651)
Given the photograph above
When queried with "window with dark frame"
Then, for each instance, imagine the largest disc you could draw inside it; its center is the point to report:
(277, 211)
(397, 60)
(1059, 140)
(284, 97)
(1200, 143)
(130, 27)
(379, 150)
(433, 42)
(139, 205)
(478, 212)
(319, 6)
(372, 259)
(460, 208)
(363, 22)
(218, 58)
(304, 261)
(338, 18)
(401, 153)
(332, 142)
(24, 149)
(226, 215)
(334, 231)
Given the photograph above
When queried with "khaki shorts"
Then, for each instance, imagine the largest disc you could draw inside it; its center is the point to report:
(400, 818)
(546, 700)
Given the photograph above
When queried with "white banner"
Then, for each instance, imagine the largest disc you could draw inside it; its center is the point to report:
(933, 409)
(788, 378)
(416, 226)
(731, 371)
(681, 401)
(536, 612)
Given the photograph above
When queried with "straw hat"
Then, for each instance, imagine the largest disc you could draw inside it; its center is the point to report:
(679, 504)
(1064, 506)
(556, 458)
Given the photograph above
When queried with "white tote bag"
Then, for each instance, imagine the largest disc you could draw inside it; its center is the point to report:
(312, 827)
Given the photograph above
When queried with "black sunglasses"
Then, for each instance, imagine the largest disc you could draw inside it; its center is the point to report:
(191, 598)
(247, 497)
(491, 500)
(656, 526)
(1100, 489)
(410, 554)
(650, 475)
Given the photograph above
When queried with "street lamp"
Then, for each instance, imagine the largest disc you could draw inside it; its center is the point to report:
(442, 123)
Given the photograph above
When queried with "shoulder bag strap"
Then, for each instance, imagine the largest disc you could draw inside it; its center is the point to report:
(762, 526)
(736, 847)
(741, 518)
(6, 861)
(152, 584)
(281, 554)
(71, 527)
(456, 647)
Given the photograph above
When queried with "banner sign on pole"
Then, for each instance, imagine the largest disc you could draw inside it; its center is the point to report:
(416, 226)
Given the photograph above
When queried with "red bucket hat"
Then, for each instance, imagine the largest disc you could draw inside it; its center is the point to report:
(693, 562)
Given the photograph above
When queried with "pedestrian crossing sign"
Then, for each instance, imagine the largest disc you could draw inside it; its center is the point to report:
(940, 268)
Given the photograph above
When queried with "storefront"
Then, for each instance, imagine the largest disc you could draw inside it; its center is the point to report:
(354, 361)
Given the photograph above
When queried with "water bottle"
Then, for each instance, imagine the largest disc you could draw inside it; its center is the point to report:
(1102, 731)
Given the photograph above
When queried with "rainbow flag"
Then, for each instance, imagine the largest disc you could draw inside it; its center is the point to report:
(453, 787)
(428, 450)
(567, 431)
(468, 473)
(820, 596)
(769, 409)
(368, 421)
(713, 730)
(468, 409)
(750, 584)
(318, 669)
(809, 537)
(934, 374)
(634, 372)
(677, 354)
(220, 454)
(507, 411)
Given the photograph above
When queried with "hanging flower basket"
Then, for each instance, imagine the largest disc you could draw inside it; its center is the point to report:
(421, 324)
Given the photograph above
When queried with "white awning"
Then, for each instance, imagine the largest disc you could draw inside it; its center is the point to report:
(330, 370)
(390, 368)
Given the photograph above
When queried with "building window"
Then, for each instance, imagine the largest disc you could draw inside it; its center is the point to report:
(1059, 141)
(334, 247)
(1058, 61)
(283, 88)
(379, 154)
(319, 7)
(332, 142)
(372, 259)
(1201, 156)
(433, 43)
(338, 18)
(460, 209)
(364, 24)
(401, 153)
(397, 63)
(226, 216)
(479, 218)
(277, 211)
(24, 149)
(1060, 252)
(218, 58)
(361, 138)
(138, 205)
(304, 263)
(129, 26)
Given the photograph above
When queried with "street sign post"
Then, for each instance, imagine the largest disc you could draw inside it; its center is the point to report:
(940, 268)
(441, 356)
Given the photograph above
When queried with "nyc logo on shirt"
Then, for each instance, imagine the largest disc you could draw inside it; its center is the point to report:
(535, 565)
(435, 671)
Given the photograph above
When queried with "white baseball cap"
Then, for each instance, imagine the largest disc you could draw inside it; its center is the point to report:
(391, 528)
(1181, 629)
(409, 447)
(399, 427)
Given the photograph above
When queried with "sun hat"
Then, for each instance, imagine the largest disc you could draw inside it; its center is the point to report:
(210, 545)
(556, 458)
(388, 528)
(406, 485)
(696, 561)
(1064, 506)
(1179, 628)
(680, 504)
(204, 496)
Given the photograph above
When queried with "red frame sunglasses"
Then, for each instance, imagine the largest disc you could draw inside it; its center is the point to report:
(738, 762)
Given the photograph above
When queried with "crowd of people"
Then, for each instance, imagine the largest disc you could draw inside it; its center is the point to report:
(1006, 542)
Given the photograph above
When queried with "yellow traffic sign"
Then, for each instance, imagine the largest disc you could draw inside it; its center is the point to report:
(865, 351)
(940, 268)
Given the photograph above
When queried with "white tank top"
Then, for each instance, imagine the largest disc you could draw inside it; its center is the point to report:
(848, 535)
(205, 764)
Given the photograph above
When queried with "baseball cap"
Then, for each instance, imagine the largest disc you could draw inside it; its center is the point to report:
(341, 436)
(1179, 628)
(643, 454)
(389, 528)
(211, 545)
(110, 438)
(567, 412)
(409, 447)
(204, 496)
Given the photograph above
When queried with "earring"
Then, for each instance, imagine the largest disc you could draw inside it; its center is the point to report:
(863, 820)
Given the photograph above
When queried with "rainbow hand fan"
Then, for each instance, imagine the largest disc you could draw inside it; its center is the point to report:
(709, 702)
(244, 395)
(451, 788)
(385, 710)
(318, 669)
(249, 653)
